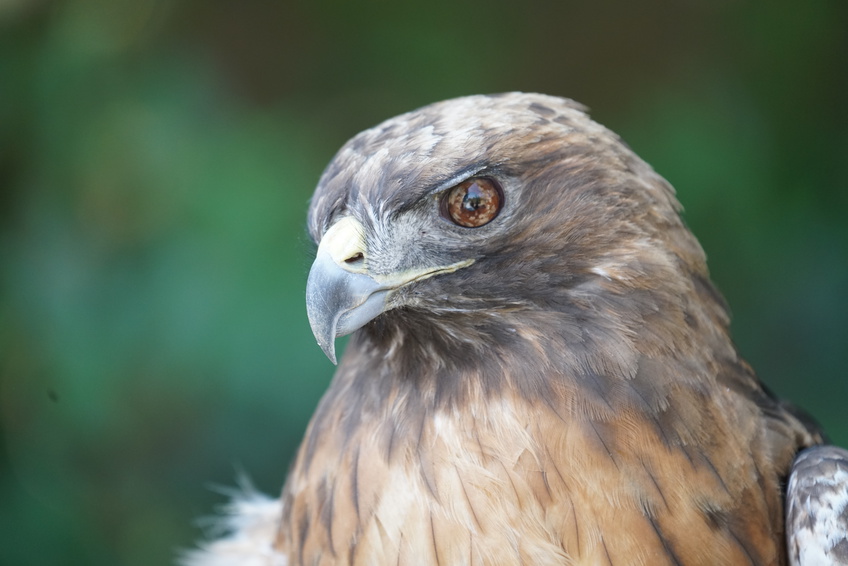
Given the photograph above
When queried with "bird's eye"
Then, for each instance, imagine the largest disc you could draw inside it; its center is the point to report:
(473, 202)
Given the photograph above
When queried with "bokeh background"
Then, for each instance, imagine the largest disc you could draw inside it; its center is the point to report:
(157, 157)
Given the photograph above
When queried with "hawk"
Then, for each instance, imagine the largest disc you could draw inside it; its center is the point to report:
(540, 370)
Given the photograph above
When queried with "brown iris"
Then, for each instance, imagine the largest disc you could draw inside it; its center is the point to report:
(473, 202)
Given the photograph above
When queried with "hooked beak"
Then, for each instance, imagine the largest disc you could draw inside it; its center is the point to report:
(341, 294)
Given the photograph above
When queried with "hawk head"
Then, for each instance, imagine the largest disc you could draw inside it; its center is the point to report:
(451, 225)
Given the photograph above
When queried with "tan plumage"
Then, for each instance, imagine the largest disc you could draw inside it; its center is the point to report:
(557, 386)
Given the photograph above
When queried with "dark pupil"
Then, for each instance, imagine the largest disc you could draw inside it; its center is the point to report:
(473, 199)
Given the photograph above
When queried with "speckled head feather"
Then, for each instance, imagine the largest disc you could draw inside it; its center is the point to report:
(588, 231)
(555, 386)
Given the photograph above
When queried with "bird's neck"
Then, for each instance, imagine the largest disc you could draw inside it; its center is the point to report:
(577, 357)
(416, 404)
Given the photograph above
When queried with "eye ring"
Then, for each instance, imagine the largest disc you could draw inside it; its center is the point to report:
(472, 203)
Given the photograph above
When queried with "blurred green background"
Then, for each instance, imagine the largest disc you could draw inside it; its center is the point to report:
(156, 160)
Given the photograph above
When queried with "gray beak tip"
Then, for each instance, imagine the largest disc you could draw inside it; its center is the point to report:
(329, 350)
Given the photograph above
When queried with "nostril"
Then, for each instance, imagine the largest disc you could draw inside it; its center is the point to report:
(355, 258)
